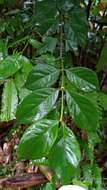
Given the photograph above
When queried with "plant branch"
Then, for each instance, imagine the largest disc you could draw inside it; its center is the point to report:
(88, 8)
(62, 68)
(24, 181)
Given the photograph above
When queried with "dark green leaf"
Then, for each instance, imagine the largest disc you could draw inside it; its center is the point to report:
(36, 105)
(102, 63)
(74, 33)
(54, 114)
(65, 155)
(70, 40)
(102, 98)
(78, 17)
(83, 78)
(45, 14)
(38, 139)
(3, 49)
(9, 101)
(42, 75)
(48, 45)
(67, 5)
(83, 111)
(87, 149)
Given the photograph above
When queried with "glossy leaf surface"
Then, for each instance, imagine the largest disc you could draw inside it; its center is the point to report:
(23, 93)
(9, 101)
(38, 139)
(83, 78)
(36, 105)
(65, 155)
(83, 111)
(9, 66)
(42, 75)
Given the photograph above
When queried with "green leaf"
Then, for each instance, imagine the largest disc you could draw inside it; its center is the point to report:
(65, 155)
(9, 101)
(92, 175)
(38, 139)
(102, 98)
(23, 92)
(84, 145)
(36, 44)
(67, 5)
(3, 49)
(49, 186)
(49, 59)
(97, 177)
(36, 105)
(54, 114)
(74, 33)
(83, 78)
(83, 111)
(2, 2)
(26, 66)
(48, 45)
(78, 17)
(19, 79)
(102, 63)
(9, 66)
(87, 173)
(38, 162)
(45, 15)
(94, 138)
(70, 40)
(22, 74)
(42, 75)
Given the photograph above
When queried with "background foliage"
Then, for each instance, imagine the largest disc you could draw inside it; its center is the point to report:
(53, 71)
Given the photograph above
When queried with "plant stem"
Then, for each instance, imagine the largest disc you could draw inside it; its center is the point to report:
(62, 69)
(62, 90)
(88, 8)
(24, 48)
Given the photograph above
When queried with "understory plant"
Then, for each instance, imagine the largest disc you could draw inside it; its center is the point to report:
(59, 101)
